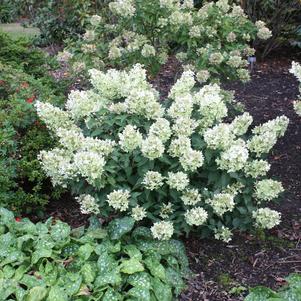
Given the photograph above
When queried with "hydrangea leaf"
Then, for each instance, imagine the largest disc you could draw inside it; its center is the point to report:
(119, 227)
(131, 266)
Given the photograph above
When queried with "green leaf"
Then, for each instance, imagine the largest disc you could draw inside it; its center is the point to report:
(40, 253)
(141, 293)
(57, 294)
(163, 292)
(131, 266)
(89, 273)
(85, 251)
(141, 279)
(260, 293)
(60, 231)
(36, 293)
(112, 277)
(133, 252)
(119, 227)
(156, 268)
(7, 217)
(111, 295)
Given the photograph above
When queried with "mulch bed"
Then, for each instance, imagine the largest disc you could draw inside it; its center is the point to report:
(248, 260)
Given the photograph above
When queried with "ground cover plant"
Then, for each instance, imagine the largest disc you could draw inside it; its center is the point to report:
(296, 70)
(176, 163)
(49, 261)
(147, 32)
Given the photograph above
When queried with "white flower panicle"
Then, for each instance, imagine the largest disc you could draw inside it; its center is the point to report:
(191, 160)
(90, 165)
(240, 124)
(183, 85)
(267, 190)
(222, 203)
(196, 216)
(296, 70)
(152, 147)
(138, 213)
(95, 20)
(181, 107)
(119, 199)
(148, 50)
(297, 107)
(179, 146)
(257, 168)
(177, 180)
(130, 138)
(266, 218)
(223, 234)
(88, 204)
(191, 197)
(71, 139)
(161, 129)
(162, 230)
(153, 180)
(184, 127)
(166, 210)
(277, 126)
(123, 8)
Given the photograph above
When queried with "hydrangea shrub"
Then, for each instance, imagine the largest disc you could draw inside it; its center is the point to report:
(214, 39)
(175, 165)
(296, 70)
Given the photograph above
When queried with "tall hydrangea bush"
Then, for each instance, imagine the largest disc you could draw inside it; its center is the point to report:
(175, 165)
(296, 70)
(214, 39)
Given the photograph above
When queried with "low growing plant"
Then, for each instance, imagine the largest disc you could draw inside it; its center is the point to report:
(49, 261)
(292, 291)
(214, 39)
(177, 163)
(296, 70)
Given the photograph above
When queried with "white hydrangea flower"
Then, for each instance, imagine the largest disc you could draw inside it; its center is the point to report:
(179, 146)
(262, 144)
(178, 18)
(257, 168)
(123, 8)
(296, 70)
(187, 4)
(70, 139)
(219, 137)
(184, 126)
(114, 52)
(191, 197)
(148, 50)
(234, 158)
(82, 104)
(170, 4)
(196, 216)
(166, 210)
(118, 108)
(216, 58)
(119, 199)
(223, 5)
(268, 189)
(138, 213)
(181, 107)
(102, 147)
(90, 165)
(277, 126)
(64, 56)
(223, 234)
(297, 107)
(153, 180)
(54, 117)
(264, 33)
(161, 129)
(152, 148)
(130, 138)
(162, 230)
(89, 35)
(202, 76)
(87, 204)
(231, 37)
(95, 20)
(241, 123)
(57, 165)
(221, 203)
(266, 218)
(183, 85)
(191, 160)
(178, 180)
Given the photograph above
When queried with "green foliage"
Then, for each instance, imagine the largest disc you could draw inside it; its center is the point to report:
(281, 16)
(291, 292)
(49, 261)
(147, 32)
(23, 184)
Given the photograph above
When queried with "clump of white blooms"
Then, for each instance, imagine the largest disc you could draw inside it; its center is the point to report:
(296, 70)
(267, 190)
(178, 160)
(162, 230)
(196, 216)
(266, 218)
(88, 204)
(177, 180)
(119, 199)
(222, 203)
(123, 8)
(153, 180)
(191, 197)
(263, 32)
(223, 234)
(138, 213)
(130, 138)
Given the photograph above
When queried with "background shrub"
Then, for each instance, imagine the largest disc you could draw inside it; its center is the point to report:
(54, 262)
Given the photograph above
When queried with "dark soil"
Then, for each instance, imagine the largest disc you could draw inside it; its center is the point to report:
(248, 260)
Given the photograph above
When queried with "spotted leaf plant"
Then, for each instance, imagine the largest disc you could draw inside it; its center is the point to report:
(175, 165)
(50, 262)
